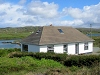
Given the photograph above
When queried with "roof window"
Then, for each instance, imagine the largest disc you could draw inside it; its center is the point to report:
(37, 31)
(60, 30)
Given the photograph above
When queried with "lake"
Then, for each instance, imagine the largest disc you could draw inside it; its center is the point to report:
(93, 34)
(8, 45)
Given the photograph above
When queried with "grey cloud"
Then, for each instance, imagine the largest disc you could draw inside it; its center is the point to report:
(44, 13)
(89, 14)
(19, 19)
(21, 2)
(2, 13)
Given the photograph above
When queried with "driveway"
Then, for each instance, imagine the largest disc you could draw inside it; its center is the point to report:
(95, 50)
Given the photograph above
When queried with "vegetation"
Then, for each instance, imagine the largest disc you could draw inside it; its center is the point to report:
(88, 30)
(94, 31)
(14, 62)
(25, 64)
(16, 33)
(22, 32)
(97, 41)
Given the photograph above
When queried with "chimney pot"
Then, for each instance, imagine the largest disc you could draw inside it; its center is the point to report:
(50, 24)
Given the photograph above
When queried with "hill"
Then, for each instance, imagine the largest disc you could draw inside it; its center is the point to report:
(16, 33)
(22, 32)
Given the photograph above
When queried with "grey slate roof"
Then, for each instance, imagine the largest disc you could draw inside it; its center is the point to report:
(51, 35)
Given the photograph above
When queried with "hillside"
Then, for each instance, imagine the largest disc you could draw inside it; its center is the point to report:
(87, 30)
(14, 62)
(16, 33)
(22, 32)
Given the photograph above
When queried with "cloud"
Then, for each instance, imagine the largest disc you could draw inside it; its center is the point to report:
(42, 9)
(37, 13)
(89, 14)
(2, 13)
(22, 2)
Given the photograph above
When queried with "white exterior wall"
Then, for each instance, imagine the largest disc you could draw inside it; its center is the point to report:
(33, 48)
(90, 47)
(58, 48)
(71, 49)
(81, 48)
(43, 49)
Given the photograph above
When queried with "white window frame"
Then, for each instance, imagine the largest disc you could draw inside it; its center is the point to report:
(50, 48)
(65, 48)
(86, 46)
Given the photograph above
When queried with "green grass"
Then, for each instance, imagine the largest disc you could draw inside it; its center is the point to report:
(16, 33)
(7, 36)
(97, 41)
(8, 65)
(30, 64)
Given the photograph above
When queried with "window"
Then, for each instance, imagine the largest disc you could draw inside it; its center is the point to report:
(77, 48)
(25, 47)
(60, 30)
(85, 46)
(65, 47)
(50, 48)
(38, 32)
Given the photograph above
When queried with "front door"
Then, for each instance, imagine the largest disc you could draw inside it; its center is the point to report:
(76, 48)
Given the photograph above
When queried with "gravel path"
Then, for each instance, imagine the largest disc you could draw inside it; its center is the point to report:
(95, 50)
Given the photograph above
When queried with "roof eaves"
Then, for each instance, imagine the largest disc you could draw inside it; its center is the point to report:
(66, 42)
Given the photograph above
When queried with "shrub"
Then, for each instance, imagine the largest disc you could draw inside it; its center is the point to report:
(74, 68)
(53, 56)
(4, 52)
(26, 63)
(84, 60)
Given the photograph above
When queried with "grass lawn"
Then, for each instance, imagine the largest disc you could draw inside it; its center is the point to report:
(30, 64)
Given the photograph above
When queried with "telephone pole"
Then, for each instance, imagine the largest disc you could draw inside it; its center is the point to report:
(91, 30)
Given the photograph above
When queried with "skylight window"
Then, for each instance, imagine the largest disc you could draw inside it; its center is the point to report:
(37, 31)
(60, 30)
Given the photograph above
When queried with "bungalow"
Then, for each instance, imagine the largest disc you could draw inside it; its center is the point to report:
(57, 39)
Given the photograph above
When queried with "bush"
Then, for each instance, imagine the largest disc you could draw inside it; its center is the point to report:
(26, 63)
(74, 68)
(4, 52)
(84, 60)
(53, 56)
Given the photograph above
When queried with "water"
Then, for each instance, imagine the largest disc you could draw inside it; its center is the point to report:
(8, 45)
(93, 34)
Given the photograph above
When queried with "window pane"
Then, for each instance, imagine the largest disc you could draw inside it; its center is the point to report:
(25, 47)
(65, 48)
(85, 46)
(60, 30)
(50, 48)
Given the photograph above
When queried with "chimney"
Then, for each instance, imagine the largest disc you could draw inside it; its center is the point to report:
(50, 24)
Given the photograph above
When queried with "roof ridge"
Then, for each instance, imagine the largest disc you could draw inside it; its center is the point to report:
(40, 35)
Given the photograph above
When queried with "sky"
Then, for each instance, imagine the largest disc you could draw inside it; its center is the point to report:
(75, 13)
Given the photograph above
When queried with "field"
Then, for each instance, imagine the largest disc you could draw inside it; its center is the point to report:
(16, 33)
(22, 32)
(14, 62)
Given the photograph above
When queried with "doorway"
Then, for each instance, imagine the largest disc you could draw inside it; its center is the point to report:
(25, 48)
(77, 48)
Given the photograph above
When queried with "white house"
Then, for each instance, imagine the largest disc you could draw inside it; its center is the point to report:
(57, 39)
